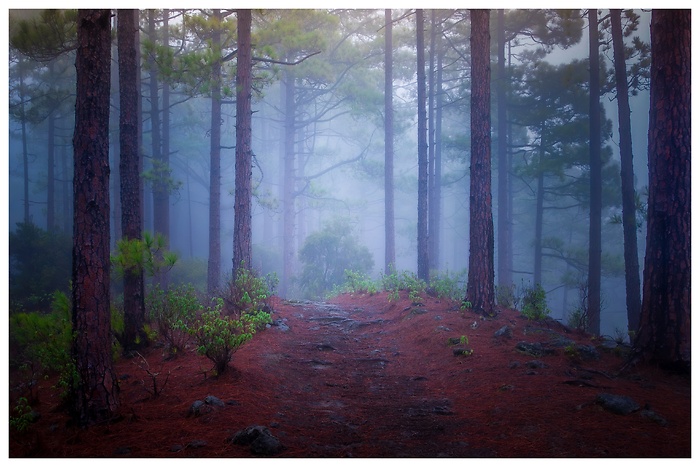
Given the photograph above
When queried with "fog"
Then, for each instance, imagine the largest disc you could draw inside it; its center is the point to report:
(338, 153)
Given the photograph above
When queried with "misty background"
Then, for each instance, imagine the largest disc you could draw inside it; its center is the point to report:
(339, 149)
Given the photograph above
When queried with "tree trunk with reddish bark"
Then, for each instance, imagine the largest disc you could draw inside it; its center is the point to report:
(242, 229)
(95, 393)
(129, 173)
(480, 286)
(664, 331)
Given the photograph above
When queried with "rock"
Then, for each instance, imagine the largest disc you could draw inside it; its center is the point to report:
(462, 351)
(266, 445)
(587, 352)
(280, 324)
(454, 340)
(442, 410)
(196, 443)
(560, 341)
(176, 448)
(514, 364)
(621, 405)
(534, 349)
(653, 416)
(213, 400)
(505, 331)
(248, 435)
(535, 364)
(261, 441)
(198, 408)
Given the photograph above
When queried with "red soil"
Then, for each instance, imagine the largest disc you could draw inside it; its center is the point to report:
(374, 378)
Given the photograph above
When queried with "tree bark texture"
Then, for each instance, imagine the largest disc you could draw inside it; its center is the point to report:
(214, 262)
(423, 259)
(161, 212)
(51, 174)
(480, 285)
(129, 173)
(389, 228)
(242, 229)
(629, 215)
(432, 220)
(155, 124)
(596, 180)
(505, 276)
(664, 331)
(289, 212)
(95, 395)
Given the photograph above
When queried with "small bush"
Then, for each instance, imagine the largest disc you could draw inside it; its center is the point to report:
(173, 312)
(327, 254)
(218, 336)
(505, 296)
(249, 292)
(404, 281)
(578, 318)
(355, 283)
(448, 286)
(535, 303)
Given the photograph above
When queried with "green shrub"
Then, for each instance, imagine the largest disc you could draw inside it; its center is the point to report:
(40, 344)
(534, 303)
(173, 312)
(218, 335)
(249, 292)
(505, 296)
(356, 283)
(40, 341)
(22, 415)
(448, 286)
(404, 281)
(327, 254)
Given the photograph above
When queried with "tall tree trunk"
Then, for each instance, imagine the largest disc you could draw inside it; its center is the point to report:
(130, 177)
(242, 229)
(389, 235)
(629, 215)
(505, 275)
(436, 207)
(664, 331)
(67, 188)
(480, 286)
(155, 118)
(214, 262)
(596, 187)
(289, 213)
(423, 259)
(25, 152)
(432, 221)
(161, 213)
(539, 221)
(95, 393)
(51, 173)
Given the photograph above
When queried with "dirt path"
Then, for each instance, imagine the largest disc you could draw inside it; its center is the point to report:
(347, 393)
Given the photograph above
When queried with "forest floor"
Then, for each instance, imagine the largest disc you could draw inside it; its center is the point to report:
(363, 376)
